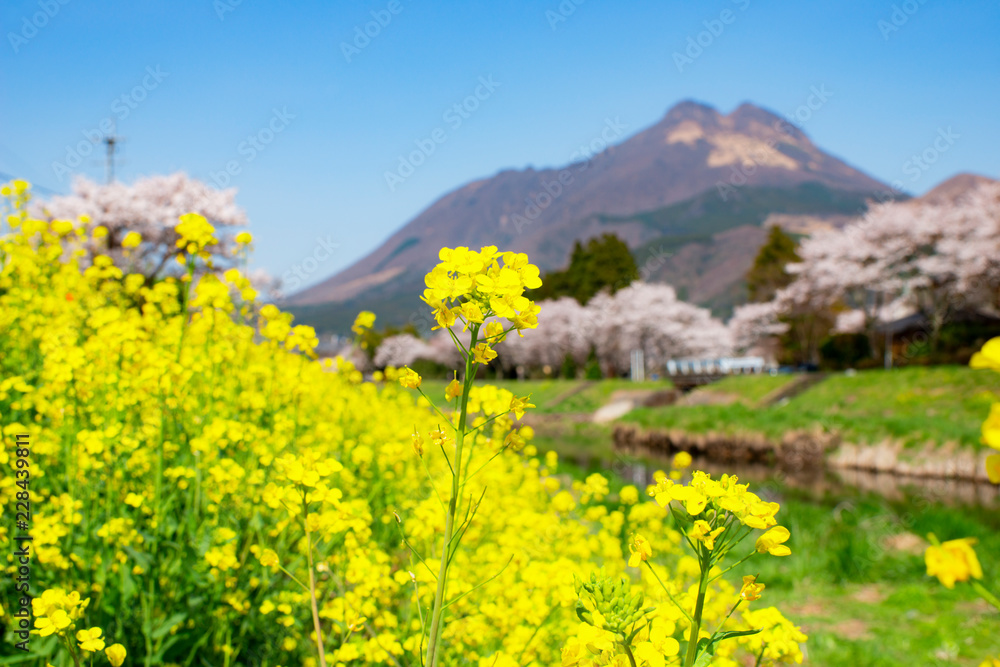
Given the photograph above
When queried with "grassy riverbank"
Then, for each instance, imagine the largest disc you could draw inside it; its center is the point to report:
(916, 405)
(913, 405)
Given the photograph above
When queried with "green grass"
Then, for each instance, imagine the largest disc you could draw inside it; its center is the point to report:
(914, 405)
(585, 443)
(864, 602)
(556, 396)
(750, 389)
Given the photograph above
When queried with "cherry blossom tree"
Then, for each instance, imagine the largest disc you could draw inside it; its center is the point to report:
(402, 350)
(754, 323)
(938, 257)
(650, 317)
(975, 249)
(151, 207)
(568, 332)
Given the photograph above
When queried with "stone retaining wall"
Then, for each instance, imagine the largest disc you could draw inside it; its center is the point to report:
(805, 451)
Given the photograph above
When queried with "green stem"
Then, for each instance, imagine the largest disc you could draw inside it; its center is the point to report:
(312, 584)
(72, 651)
(736, 564)
(728, 616)
(631, 658)
(692, 649)
(989, 597)
(667, 591)
(147, 626)
(434, 639)
(533, 634)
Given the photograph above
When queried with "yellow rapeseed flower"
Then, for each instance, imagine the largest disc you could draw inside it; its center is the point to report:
(991, 427)
(641, 550)
(364, 321)
(772, 542)
(57, 621)
(116, 654)
(483, 353)
(514, 440)
(62, 227)
(195, 232)
(409, 378)
(476, 286)
(954, 560)
(681, 460)
(132, 240)
(751, 590)
(702, 532)
(629, 495)
(993, 468)
(453, 390)
(518, 405)
(494, 332)
(90, 640)
(988, 357)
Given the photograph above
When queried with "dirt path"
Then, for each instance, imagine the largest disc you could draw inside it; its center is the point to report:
(792, 389)
(572, 392)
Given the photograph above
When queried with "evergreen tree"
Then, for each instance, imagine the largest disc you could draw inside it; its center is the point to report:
(604, 262)
(768, 274)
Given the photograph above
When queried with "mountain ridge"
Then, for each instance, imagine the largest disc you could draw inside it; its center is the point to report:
(690, 150)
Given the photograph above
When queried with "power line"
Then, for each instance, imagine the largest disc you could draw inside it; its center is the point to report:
(34, 186)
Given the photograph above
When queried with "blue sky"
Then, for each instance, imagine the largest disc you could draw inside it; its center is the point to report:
(189, 82)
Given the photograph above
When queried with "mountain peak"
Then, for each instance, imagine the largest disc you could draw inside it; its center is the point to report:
(954, 188)
(752, 119)
(747, 118)
(692, 110)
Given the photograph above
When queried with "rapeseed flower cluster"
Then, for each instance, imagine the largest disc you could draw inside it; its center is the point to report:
(989, 358)
(206, 491)
(955, 561)
(471, 287)
(713, 517)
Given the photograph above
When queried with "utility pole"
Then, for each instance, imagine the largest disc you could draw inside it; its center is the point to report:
(888, 348)
(110, 142)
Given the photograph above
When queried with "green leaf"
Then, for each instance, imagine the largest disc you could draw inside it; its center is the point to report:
(705, 653)
(735, 633)
(704, 660)
(141, 559)
(167, 624)
(706, 645)
(129, 588)
(158, 657)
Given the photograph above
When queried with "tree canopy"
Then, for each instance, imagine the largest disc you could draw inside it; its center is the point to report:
(604, 262)
(768, 274)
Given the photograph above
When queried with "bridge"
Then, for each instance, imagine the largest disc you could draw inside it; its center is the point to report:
(689, 373)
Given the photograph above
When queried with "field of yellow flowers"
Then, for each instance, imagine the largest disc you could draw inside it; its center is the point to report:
(199, 489)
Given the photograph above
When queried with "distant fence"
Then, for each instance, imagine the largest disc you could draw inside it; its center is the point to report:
(723, 366)
(689, 373)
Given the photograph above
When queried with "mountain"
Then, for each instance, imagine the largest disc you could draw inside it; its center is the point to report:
(947, 192)
(696, 172)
